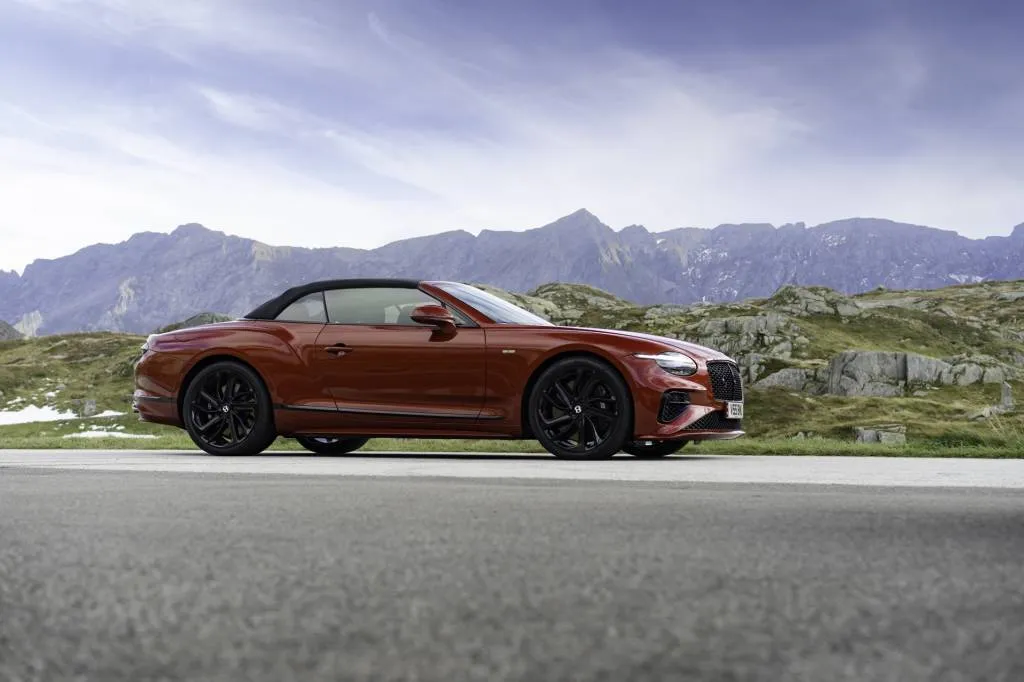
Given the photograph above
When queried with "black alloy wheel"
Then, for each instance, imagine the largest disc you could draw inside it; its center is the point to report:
(227, 410)
(331, 445)
(653, 449)
(580, 408)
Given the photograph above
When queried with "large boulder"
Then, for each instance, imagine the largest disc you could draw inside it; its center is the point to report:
(867, 373)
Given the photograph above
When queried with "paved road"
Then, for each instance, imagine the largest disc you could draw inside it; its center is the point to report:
(113, 575)
(881, 471)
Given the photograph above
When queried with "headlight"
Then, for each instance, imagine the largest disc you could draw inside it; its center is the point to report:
(673, 362)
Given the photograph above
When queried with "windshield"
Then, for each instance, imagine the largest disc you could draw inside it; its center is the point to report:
(498, 309)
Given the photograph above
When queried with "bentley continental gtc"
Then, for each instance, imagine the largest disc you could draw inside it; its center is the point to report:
(335, 363)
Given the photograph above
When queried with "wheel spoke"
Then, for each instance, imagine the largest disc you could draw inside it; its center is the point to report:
(564, 395)
(556, 421)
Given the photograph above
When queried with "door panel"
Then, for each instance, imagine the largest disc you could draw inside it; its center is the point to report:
(393, 374)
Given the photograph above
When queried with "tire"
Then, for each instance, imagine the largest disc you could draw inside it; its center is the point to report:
(580, 408)
(331, 445)
(227, 410)
(656, 449)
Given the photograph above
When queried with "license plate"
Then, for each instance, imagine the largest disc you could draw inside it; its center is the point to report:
(734, 410)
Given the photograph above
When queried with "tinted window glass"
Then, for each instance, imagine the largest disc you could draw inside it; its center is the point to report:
(309, 308)
(374, 305)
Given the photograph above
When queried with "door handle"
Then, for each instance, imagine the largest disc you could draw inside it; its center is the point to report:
(338, 349)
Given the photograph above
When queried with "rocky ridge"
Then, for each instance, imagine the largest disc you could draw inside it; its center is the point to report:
(817, 341)
(152, 279)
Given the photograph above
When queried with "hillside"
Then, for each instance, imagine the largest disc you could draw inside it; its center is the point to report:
(817, 362)
(153, 279)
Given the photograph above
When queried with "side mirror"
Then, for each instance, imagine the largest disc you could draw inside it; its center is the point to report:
(436, 316)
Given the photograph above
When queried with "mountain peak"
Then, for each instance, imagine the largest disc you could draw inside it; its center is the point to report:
(191, 229)
(581, 220)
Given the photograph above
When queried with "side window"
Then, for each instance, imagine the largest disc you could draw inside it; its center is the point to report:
(374, 305)
(309, 308)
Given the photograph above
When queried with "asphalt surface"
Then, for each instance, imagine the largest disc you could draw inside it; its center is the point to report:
(183, 576)
(859, 471)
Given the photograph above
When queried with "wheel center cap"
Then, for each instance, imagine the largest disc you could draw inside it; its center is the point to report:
(577, 409)
(225, 408)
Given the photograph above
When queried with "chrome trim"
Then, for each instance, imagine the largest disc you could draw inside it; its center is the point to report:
(386, 413)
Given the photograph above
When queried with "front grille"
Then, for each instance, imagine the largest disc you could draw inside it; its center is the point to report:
(673, 404)
(715, 421)
(725, 380)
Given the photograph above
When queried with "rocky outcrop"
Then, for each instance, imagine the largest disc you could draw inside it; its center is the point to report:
(888, 374)
(768, 334)
(8, 333)
(813, 301)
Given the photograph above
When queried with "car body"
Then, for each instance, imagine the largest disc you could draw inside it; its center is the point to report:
(360, 358)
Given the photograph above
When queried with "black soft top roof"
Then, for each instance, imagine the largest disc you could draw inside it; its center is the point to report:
(272, 308)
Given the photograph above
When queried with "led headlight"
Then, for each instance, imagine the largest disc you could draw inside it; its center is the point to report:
(670, 361)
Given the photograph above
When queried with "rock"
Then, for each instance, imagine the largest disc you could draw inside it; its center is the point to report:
(8, 333)
(767, 334)
(888, 434)
(813, 301)
(792, 378)
(1005, 405)
(884, 373)
(867, 373)
(89, 408)
(1010, 296)
(922, 369)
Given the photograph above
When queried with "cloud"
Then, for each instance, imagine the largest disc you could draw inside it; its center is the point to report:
(357, 128)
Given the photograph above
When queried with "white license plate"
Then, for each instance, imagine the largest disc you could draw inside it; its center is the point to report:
(734, 410)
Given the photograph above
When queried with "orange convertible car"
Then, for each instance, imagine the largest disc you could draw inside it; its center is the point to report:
(335, 363)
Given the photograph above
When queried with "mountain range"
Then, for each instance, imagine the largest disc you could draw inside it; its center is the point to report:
(153, 278)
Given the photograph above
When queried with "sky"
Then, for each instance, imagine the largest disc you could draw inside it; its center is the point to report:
(355, 123)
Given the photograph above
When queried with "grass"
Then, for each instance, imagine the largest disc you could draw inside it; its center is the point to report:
(1004, 439)
(65, 370)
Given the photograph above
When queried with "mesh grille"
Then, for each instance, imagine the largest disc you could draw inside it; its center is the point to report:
(673, 404)
(725, 380)
(715, 421)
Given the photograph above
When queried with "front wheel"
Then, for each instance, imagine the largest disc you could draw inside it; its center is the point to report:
(331, 445)
(580, 408)
(227, 410)
(653, 449)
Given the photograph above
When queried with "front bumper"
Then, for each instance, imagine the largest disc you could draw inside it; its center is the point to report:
(703, 418)
(155, 399)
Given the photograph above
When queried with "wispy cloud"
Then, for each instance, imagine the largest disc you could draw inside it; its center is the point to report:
(355, 124)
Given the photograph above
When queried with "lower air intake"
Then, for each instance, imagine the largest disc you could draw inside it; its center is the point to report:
(673, 404)
(715, 421)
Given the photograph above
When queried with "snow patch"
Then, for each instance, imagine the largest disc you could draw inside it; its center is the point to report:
(108, 434)
(106, 413)
(30, 414)
(964, 279)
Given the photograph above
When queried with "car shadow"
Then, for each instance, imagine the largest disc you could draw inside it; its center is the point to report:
(477, 456)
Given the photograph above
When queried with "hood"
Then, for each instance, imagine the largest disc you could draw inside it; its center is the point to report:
(695, 351)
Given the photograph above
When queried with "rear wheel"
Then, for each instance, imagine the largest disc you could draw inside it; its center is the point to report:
(227, 410)
(331, 445)
(653, 449)
(580, 408)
